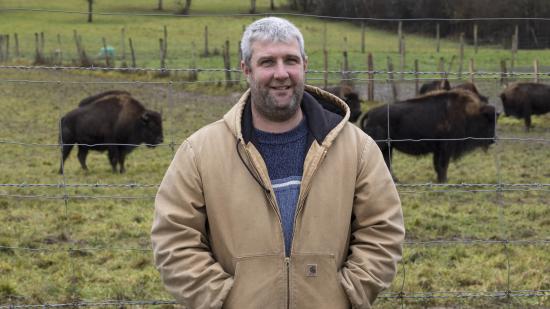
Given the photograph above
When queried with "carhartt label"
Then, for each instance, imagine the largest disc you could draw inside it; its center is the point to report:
(311, 270)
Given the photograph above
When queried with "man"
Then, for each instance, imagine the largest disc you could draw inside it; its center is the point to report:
(281, 204)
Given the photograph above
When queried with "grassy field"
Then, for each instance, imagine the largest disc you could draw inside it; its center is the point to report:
(85, 236)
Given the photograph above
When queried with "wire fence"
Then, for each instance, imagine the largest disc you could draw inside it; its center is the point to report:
(70, 191)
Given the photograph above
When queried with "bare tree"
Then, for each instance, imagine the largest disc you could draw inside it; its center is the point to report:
(252, 6)
(90, 10)
(186, 7)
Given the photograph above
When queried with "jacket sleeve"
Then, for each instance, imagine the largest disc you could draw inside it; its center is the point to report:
(377, 231)
(179, 236)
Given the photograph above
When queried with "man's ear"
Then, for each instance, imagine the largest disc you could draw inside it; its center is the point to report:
(305, 64)
(244, 68)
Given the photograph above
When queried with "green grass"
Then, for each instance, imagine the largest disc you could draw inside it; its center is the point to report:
(94, 245)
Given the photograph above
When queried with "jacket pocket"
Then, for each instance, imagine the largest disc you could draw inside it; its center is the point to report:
(314, 283)
(258, 283)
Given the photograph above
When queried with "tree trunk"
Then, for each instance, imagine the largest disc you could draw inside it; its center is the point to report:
(252, 6)
(160, 5)
(90, 9)
(272, 5)
(187, 7)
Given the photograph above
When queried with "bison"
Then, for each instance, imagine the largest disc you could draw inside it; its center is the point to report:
(523, 99)
(445, 123)
(351, 98)
(115, 122)
(444, 84)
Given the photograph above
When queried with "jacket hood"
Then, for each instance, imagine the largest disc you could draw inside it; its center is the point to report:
(316, 104)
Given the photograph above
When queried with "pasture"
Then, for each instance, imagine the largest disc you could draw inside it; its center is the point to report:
(482, 240)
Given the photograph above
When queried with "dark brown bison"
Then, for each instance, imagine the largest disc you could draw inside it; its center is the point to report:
(94, 97)
(445, 123)
(351, 98)
(116, 123)
(444, 84)
(522, 100)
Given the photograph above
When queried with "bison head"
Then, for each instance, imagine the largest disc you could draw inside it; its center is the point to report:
(481, 127)
(151, 128)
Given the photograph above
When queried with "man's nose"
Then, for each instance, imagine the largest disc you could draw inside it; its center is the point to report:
(281, 71)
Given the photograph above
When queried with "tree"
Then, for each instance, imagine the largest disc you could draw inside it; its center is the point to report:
(160, 5)
(90, 10)
(186, 8)
(252, 6)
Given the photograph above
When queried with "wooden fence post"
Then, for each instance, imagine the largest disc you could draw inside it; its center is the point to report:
(132, 53)
(402, 58)
(391, 78)
(399, 35)
(238, 73)
(471, 69)
(416, 77)
(362, 37)
(106, 52)
(503, 73)
(227, 64)
(441, 68)
(325, 56)
(16, 38)
(59, 52)
(370, 68)
(514, 50)
(123, 47)
(1, 47)
(7, 38)
(461, 55)
(162, 55)
(475, 38)
(193, 74)
(206, 52)
(536, 70)
(437, 38)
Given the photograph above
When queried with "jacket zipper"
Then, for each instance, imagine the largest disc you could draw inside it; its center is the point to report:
(287, 266)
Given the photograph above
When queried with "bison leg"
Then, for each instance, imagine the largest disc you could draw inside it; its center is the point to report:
(113, 157)
(121, 156)
(66, 150)
(441, 161)
(82, 154)
(387, 152)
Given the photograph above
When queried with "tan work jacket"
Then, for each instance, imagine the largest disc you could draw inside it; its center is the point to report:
(217, 233)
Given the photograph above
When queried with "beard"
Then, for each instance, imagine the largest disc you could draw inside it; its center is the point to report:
(266, 104)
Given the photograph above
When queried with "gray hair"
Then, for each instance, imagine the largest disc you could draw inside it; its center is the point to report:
(273, 29)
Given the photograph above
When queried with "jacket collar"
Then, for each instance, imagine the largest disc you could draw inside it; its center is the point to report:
(323, 124)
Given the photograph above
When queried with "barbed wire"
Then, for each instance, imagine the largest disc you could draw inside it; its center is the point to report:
(388, 296)
(424, 243)
(99, 13)
(494, 74)
(430, 185)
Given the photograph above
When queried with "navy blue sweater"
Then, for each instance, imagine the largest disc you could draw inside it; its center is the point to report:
(284, 155)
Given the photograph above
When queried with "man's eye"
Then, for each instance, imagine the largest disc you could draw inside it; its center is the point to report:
(292, 61)
(267, 62)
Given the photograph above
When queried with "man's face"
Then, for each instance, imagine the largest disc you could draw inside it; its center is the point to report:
(276, 76)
